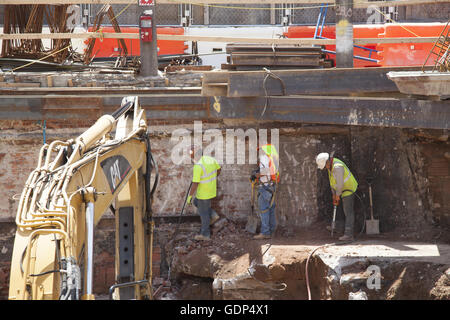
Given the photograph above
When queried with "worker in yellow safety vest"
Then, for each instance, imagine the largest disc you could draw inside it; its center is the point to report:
(268, 176)
(204, 187)
(343, 185)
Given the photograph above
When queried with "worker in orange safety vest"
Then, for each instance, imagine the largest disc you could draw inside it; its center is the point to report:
(268, 177)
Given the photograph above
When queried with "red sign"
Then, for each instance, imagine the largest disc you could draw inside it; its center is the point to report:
(145, 2)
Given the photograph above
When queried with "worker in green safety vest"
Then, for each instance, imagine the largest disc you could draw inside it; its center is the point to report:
(204, 187)
(343, 186)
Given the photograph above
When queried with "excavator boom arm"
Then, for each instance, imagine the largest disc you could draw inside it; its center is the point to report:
(74, 184)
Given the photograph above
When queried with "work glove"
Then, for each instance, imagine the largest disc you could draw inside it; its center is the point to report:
(253, 177)
(336, 200)
(189, 199)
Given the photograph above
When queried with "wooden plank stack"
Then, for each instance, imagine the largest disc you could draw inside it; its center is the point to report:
(244, 56)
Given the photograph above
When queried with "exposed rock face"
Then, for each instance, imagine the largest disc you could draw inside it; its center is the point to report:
(276, 269)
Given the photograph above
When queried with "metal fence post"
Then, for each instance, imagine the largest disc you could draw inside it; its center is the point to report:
(344, 34)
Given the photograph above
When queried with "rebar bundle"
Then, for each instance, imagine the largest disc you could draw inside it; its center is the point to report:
(30, 19)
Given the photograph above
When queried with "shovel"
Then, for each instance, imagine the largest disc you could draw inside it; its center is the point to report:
(252, 220)
(372, 225)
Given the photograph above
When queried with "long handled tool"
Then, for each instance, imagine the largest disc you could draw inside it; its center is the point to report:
(178, 225)
(333, 223)
(252, 220)
(372, 225)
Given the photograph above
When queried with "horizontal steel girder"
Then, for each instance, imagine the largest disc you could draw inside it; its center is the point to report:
(361, 111)
(379, 112)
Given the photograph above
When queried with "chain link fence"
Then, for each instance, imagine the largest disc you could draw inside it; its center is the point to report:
(254, 14)
(128, 15)
(279, 14)
(251, 14)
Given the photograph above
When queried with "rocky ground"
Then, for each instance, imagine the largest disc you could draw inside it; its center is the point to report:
(232, 265)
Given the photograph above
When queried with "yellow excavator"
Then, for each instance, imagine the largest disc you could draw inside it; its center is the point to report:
(108, 167)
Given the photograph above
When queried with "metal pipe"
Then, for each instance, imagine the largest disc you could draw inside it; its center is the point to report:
(127, 284)
(90, 247)
(317, 23)
(323, 20)
(355, 57)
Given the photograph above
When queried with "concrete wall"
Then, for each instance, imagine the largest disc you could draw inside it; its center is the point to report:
(411, 176)
(412, 179)
(403, 168)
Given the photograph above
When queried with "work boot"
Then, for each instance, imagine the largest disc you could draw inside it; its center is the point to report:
(214, 219)
(201, 237)
(346, 238)
(261, 236)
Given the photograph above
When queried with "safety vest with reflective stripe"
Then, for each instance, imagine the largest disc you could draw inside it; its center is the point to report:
(274, 159)
(205, 173)
(350, 182)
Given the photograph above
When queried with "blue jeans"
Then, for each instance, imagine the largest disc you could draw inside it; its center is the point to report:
(268, 221)
(206, 213)
(347, 203)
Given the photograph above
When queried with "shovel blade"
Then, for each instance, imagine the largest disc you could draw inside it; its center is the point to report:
(252, 224)
(372, 226)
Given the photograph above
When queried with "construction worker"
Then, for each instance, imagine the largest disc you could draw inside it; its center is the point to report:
(343, 185)
(268, 177)
(204, 187)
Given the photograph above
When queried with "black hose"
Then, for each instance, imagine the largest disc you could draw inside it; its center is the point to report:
(149, 192)
(270, 74)
(150, 164)
(44, 273)
(340, 243)
(362, 208)
(178, 225)
(148, 204)
(155, 165)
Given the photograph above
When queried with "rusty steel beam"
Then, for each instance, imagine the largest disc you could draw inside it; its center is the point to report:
(315, 82)
(378, 112)
(332, 110)
(92, 106)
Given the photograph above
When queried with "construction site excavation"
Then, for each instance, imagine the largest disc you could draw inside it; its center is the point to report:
(224, 150)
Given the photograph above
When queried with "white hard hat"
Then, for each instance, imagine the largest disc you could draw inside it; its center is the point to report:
(195, 149)
(321, 160)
